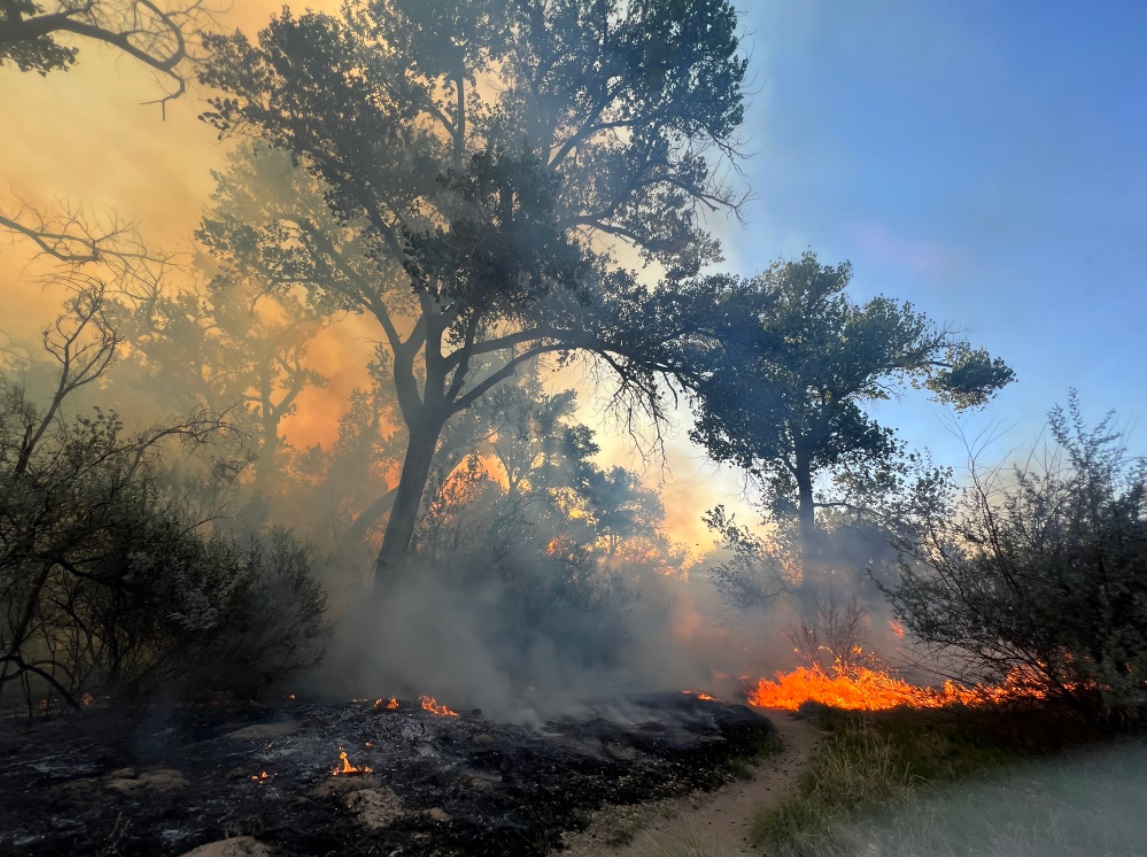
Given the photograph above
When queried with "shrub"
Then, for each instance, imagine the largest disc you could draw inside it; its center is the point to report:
(1043, 576)
(107, 582)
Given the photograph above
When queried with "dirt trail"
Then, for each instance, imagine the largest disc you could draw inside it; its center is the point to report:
(715, 824)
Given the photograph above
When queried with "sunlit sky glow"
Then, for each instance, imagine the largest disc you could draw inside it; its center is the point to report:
(984, 160)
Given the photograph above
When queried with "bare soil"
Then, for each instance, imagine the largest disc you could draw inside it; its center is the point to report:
(714, 823)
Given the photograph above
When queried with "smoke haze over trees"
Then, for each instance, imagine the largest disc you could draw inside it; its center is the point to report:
(419, 212)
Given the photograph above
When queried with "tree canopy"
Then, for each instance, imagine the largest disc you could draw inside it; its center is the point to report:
(784, 393)
(482, 155)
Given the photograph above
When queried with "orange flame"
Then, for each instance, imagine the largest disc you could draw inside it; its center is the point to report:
(864, 689)
(429, 703)
(897, 628)
(388, 704)
(345, 768)
(703, 696)
(261, 777)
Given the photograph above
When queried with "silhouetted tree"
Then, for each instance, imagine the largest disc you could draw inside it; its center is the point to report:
(796, 360)
(38, 36)
(482, 150)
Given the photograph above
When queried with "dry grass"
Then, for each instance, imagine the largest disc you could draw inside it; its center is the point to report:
(875, 789)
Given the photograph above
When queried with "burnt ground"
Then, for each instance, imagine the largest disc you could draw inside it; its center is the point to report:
(175, 779)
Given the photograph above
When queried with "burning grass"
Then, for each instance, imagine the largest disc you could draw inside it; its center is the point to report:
(874, 688)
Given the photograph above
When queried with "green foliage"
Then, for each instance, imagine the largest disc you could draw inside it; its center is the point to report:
(791, 364)
(1043, 570)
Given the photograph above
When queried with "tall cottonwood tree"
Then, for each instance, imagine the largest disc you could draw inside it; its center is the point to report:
(785, 397)
(484, 151)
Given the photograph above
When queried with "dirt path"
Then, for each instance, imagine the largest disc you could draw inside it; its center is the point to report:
(715, 824)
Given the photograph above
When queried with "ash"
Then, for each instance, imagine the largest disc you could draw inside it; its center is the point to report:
(185, 777)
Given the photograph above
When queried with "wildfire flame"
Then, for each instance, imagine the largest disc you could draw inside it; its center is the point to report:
(703, 696)
(387, 704)
(346, 769)
(429, 703)
(863, 689)
(263, 776)
(897, 628)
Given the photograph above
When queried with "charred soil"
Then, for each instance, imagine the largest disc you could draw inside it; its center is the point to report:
(163, 784)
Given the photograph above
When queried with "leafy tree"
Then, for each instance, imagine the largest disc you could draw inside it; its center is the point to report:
(478, 153)
(1040, 575)
(796, 360)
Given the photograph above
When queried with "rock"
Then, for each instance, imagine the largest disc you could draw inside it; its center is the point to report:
(264, 731)
(438, 814)
(376, 808)
(163, 780)
(332, 786)
(236, 846)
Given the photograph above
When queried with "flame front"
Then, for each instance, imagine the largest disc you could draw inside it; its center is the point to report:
(429, 703)
(860, 688)
(388, 704)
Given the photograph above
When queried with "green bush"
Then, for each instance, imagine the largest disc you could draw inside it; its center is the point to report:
(109, 585)
(1042, 576)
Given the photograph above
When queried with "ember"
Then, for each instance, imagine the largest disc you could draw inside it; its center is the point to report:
(263, 776)
(429, 703)
(346, 769)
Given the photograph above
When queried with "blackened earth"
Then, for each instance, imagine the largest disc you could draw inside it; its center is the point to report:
(180, 778)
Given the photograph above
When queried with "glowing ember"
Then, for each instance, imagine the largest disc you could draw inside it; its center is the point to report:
(703, 696)
(261, 777)
(387, 704)
(864, 689)
(346, 769)
(429, 703)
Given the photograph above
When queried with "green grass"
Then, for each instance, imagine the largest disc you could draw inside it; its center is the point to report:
(879, 761)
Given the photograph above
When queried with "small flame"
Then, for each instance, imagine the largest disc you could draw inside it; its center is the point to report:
(897, 628)
(346, 769)
(263, 776)
(292, 696)
(702, 696)
(429, 703)
(86, 700)
(387, 704)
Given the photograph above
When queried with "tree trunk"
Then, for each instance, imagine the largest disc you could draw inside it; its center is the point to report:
(806, 522)
(395, 548)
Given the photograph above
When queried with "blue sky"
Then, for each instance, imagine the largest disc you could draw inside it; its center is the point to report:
(985, 160)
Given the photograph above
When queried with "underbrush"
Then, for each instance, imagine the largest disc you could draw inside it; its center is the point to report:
(882, 761)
